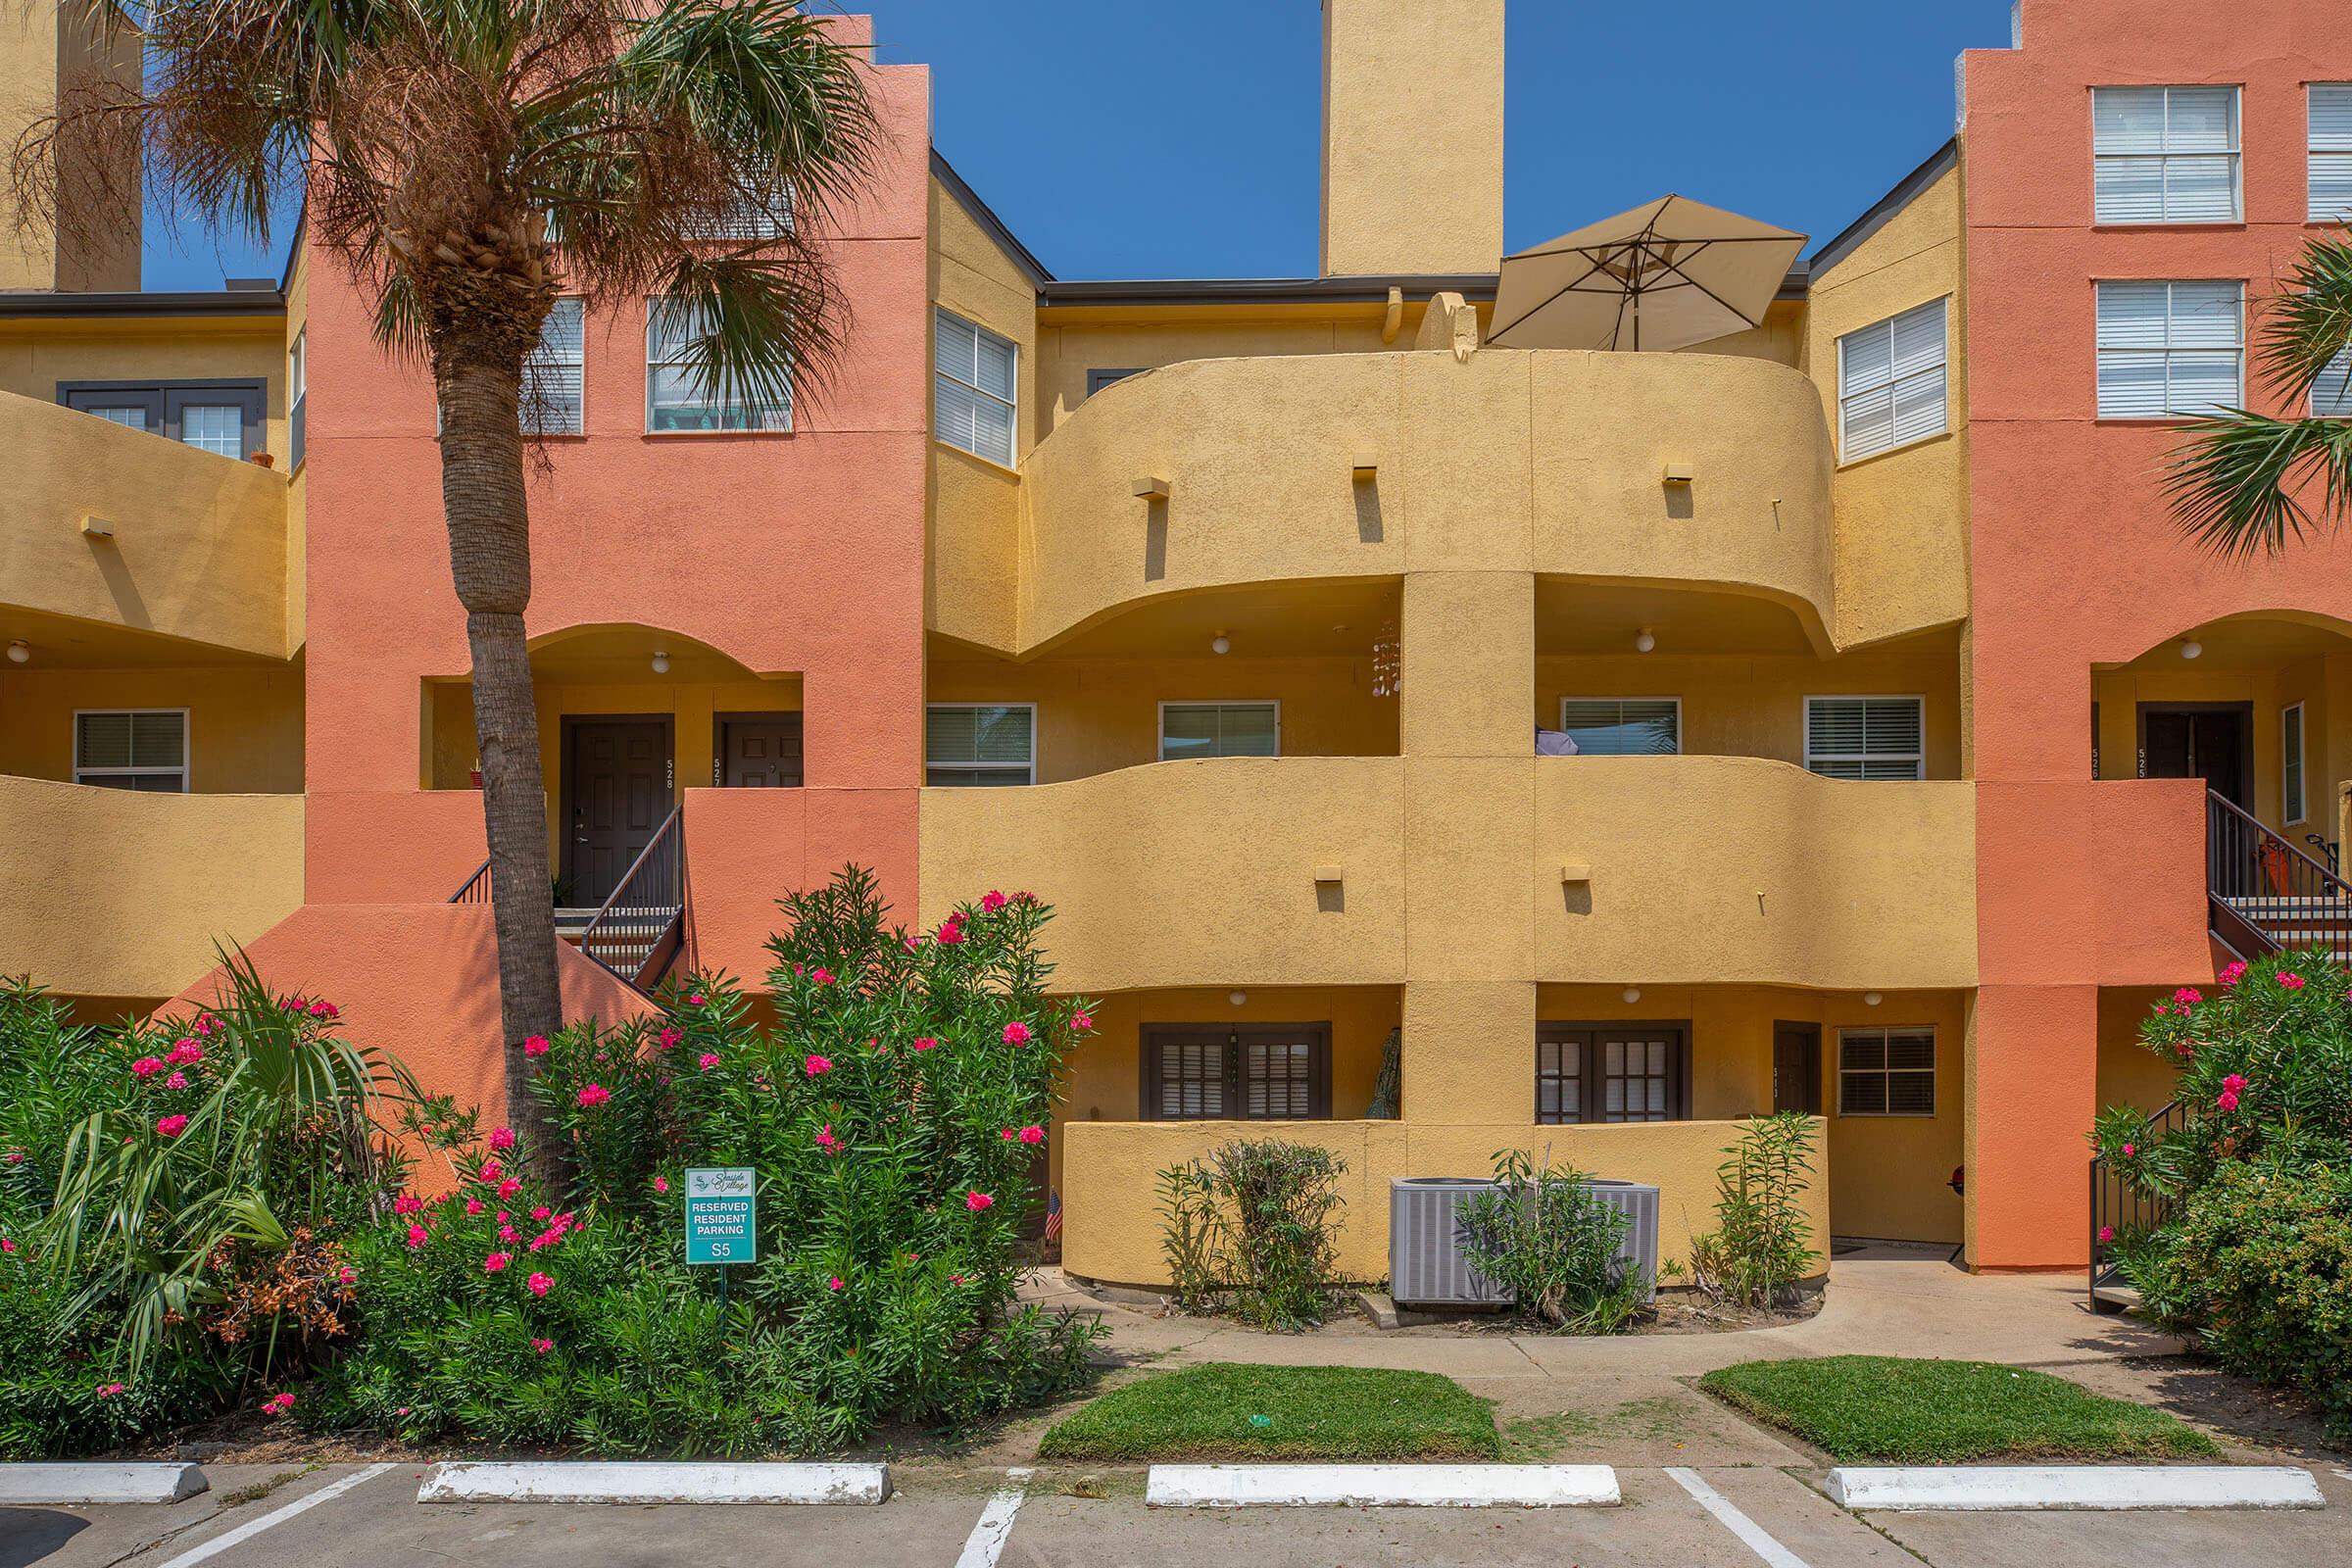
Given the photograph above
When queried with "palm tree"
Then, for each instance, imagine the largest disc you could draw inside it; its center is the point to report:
(467, 161)
(2241, 482)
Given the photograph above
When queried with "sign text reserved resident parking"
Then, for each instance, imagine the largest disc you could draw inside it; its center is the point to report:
(721, 1216)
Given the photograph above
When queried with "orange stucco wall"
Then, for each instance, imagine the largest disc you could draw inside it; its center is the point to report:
(796, 553)
(2076, 561)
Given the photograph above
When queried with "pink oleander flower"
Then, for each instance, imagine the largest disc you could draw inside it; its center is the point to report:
(541, 1212)
(1033, 1135)
(491, 1170)
(707, 1060)
(2187, 996)
(2106, 1233)
(1017, 1032)
(1008, 1135)
(502, 1137)
(669, 1037)
(107, 1390)
(2234, 1084)
(347, 1275)
(179, 1080)
(473, 1205)
(325, 1010)
(593, 1096)
(948, 934)
(501, 1217)
(694, 1000)
(2232, 973)
(2229, 1099)
(207, 1024)
(992, 901)
(183, 1052)
(16, 1156)
(1082, 1020)
(833, 1284)
(2288, 980)
(912, 944)
(277, 1404)
(817, 1065)
(7, 1246)
(535, 1046)
(495, 1261)
(538, 1283)
(509, 1187)
(147, 1066)
(403, 1410)
(416, 1236)
(924, 1041)
(955, 1279)
(976, 1202)
(543, 1345)
(171, 1126)
(407, 1204)
(507, 1234)
(821, 975)
(2130, 1149)
(827, 1141)
(660, 1184)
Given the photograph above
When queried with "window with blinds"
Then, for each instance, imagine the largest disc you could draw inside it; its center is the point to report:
(298, 392)
(1866, 737)
(976, 396)
(752, 215)
(2331, 168)
(979, 744)
(680, 398)
(2164, 155)
(2293, 806)
(2169, 348)
(2332, 389)
(551, 373)
(1887, 1072)
(1616, 1072)
(1890, 382)
(1249, 1072)
(1190, 731)
(135, 749)
(1622, 726)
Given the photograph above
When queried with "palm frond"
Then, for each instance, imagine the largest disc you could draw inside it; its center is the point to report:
(2307, 325)
(2235, 478)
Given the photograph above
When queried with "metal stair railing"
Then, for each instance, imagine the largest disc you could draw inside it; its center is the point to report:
(637, 932)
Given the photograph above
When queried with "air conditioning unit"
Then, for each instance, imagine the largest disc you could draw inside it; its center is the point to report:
(1426, 1266)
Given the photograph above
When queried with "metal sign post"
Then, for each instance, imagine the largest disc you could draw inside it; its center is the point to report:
(722, 1220)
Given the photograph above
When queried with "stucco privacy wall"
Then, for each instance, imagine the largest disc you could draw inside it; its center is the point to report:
(2076, 561)
(244, 720)
(122, 893)
(1116, 1165)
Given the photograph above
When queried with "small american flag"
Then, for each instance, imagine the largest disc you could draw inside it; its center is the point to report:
(1054, 1216)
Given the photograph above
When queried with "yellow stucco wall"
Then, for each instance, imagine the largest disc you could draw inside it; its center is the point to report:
(1105, 1082)
(297, 306)
(199, 545)
(1112, 1226)
(244, 720)
(2131, 1074)
(48, 50)
(115, 893)
(1902, 517)
(1412, 136)
(38, 353)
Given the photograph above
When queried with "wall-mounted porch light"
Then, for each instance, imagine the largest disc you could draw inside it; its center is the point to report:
(2191, 647)
(20, 653)
(660, 663)
(1871, 998)
(1632, 994)
(1644, 640)
(1221, 643)
(1237, 998)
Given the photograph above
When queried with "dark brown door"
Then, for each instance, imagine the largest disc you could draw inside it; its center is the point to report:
(619, 784)
(1796, 1067)
(758, 750)
(2211, 741)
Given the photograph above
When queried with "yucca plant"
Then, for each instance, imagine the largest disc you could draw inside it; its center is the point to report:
(235, 1138)
(2241, 482)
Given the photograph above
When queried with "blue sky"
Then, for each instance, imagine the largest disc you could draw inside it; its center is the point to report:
(1125, 139)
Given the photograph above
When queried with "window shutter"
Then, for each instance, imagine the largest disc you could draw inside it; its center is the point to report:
(1865, 737)
(103, 740)
(2332, 392)
(951, 735)
(2331, 180)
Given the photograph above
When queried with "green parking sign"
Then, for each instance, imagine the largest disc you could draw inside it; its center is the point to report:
(722, 1207)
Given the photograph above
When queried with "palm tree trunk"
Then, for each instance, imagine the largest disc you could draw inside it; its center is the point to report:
(490, 558)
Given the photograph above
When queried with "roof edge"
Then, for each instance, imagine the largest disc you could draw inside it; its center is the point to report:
(221, 301)
(985, 216)
(1883, 211)
(1370, 288)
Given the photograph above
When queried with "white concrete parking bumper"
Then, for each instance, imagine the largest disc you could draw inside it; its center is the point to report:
(1995, 1486)
(653, 1482)
(92, 1484)
(1382, 1485)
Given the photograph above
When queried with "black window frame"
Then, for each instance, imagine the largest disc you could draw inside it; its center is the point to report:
(1885, 1072)
(1232, 1040)
(1586, 1039)
(164, 402)
(1098, 378)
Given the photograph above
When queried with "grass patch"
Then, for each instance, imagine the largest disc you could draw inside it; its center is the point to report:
(1885, 1409)
(1239, 1411)
(1536, 1437)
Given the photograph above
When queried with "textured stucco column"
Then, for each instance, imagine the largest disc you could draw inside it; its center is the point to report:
(1469, 808)
(2032, 1091)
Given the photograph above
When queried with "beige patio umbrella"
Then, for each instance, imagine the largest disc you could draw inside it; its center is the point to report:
(1667, 275)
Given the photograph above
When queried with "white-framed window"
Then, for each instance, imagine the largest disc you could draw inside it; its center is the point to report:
(214, 427)
(1887, 1072)
(298, 387)
(2332, 389)
(2164, 155)
(966, 743)
(677, 400)
(1890, 382)
(752, 215)
(554, 396)
(133, 749)
(2169, 348)
(2293, 808)
(1866, 737)
(978, 388)
(1219, 729)
(1622, 726)
(2329, 179)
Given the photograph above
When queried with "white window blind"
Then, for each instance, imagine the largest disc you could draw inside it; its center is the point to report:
(216, 427)
(2331, 391)
(976, 398)
(752, 215)
(2164, 155)
(676, 398)
(2169, 348)
(1890, 382)
(1887, 1072)
(134, 749)
(1219, 729)
(1865, 737)
(1622, 726)
(298, 391)
(2292, 806)
(2330, 176)
(979, 744)
(552, 395)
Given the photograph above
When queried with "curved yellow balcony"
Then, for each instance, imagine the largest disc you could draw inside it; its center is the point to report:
(1197, 874)
(1740, 869)
(126, 529)
(1697, 469)
(116, 892)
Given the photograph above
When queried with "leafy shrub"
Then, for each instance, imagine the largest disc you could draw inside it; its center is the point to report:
(1762, 1243)
(175, 1198)
(1249, 1229)
(893, 1113)
(1546, 1236)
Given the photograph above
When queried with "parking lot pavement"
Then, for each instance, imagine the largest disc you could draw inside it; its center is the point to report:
(1726, 1516)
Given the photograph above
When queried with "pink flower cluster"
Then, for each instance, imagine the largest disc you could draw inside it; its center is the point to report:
(951, 930)
(669, 1037)
(992, 901)
(325, 1010)
(182, 1052)
(538, 1283)
(593, 1096)
(2232, 973)
(976, 1202)
(2288, 980)
(543, 1345)
(707, 1060)
(147, 1066)
(1082, 1020)
(171, 1126)
(277, 1404)
(827, 1141)
(501, 1138)
(535, 1046)
(2231, 1086)
(107, 1390)
(816, 1065)
(924, 1041)
(1017, 1032)
(1028, 1135)
(407, 1204)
